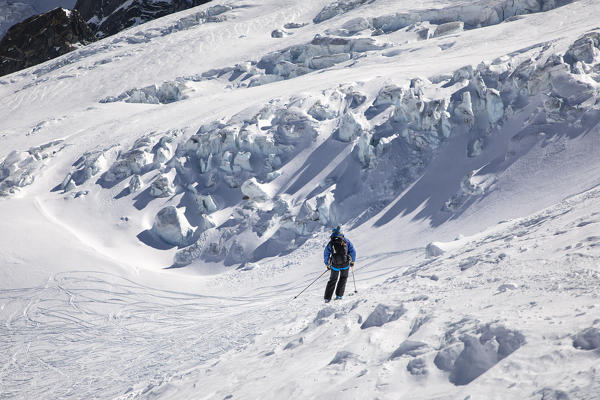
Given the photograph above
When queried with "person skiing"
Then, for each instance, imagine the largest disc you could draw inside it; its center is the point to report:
(339, 256)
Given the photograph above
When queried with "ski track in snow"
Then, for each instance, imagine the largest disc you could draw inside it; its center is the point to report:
(86, 330)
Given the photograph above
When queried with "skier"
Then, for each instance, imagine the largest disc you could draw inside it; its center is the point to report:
(339, 256)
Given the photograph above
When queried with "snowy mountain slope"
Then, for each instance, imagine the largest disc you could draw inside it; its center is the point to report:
(261, 144)
(499, 317)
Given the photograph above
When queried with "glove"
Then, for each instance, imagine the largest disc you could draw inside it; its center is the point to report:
(328, 266)
(352, 263)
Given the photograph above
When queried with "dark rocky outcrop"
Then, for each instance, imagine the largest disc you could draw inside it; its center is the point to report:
(107, 17)
(41, 38)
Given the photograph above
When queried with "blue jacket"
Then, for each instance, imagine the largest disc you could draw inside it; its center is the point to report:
(327, 253)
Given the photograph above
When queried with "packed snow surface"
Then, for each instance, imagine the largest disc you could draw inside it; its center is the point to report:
(165, 193)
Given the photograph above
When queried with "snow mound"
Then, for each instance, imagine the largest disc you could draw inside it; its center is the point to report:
(417, 366)
(410, 348)
(342, 357)
(171, 226)
(323, 314)
(137, 160)
(291, 62)
(162, 187)
(435, 249)
(337, 8)
(392, 138)
(254, 191)
(383, 314)
(135, 183)
(588, 339)
(87, 166)
(167, 92)
(149, 152)
(473, 15)
(18, 169)
(477, 353)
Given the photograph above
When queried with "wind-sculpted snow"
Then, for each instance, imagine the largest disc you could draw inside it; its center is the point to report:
(230, 163)
(588, 339)
(381, 315)
(390, 140)
(462, 331)
(167, 92)
(444, 20)
(148, 152)
(172, 226)
(475, 354)
(337, 8)
(19, 168)
(321, 53)
(409, 143)
(87, 166)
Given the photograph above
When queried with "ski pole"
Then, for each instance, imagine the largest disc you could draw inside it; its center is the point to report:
(311, 284)
(354, 280)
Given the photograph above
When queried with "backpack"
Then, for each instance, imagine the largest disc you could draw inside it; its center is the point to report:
(339, 252)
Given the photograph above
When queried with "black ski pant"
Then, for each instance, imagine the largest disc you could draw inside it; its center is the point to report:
(341, 284)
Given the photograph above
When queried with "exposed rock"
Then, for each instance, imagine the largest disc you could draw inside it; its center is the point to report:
(13, 13)
(107, 17)
(41, 38)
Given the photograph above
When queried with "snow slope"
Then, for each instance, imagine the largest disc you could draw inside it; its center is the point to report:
(166, 191)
